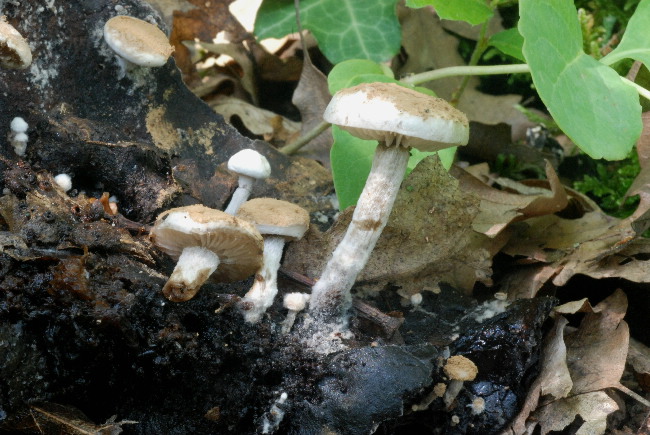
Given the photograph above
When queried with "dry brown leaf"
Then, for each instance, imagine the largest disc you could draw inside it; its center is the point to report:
(428, 236)
(203, 22)
(597, 350)
(498, 208)
(259, 121)
(55, 418)
(311, 97)
(643, 144)
(238, 52)
(592, 407)
(638, 357)
(553, 380)
(526, 280)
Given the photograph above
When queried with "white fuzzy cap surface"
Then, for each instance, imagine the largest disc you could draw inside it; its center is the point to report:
(18, 125)
(250, 163)
(296, 301)
(63, 181)
(137, 41)
(391, 113)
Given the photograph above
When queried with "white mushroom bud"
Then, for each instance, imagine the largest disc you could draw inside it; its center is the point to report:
(278, 221)
(399, 118)
(136, 42)
(205, 241)
(295, 303)
(19, 125)
(63, 181)
(250, 166)
(459, 369)
(14, 50)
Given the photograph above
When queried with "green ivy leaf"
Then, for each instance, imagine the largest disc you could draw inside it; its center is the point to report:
(351, 159)
(636, 39)
(473, 11)
(344, 29)
(340, 76)
(587, 99)
(509, 42)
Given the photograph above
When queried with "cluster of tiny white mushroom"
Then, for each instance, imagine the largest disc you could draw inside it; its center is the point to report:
(18, 136)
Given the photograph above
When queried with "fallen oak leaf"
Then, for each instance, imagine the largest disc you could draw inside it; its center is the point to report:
(592, 407)
(554, 378)
(499, 208)
(311, 97)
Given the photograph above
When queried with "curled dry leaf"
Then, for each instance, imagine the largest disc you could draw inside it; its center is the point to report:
(554, 378)
(498, 208)
(575, 367)
(259, 121)
(592, 407)
(311, 97)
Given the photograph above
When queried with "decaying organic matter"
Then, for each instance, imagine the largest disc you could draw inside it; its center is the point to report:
(84, 327)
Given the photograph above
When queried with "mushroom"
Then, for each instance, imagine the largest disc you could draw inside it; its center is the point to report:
(399, 118)
(250, 166)
(14, 50)
(204, 241)
(459, 369)
(136, 42)
(279, 221)
(295, 303)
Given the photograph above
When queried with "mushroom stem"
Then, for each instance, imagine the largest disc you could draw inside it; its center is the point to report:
(194, 267)
(241, 194)
(261, 295)
(331, 294)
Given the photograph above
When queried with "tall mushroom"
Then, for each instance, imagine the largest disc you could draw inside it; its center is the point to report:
(250, 166)
(399, 118)
(279, 221)
(205, 240)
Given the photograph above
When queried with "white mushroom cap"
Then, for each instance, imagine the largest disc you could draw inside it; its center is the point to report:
(394, 114)
(460, 368)
(18, 125)
(250, 163)
(137, 41)
(295, 301)
(275, 217)
(14, 50)
(237, 243)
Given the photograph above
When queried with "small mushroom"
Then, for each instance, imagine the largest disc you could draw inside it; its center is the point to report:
(459, 369)
(399, 118)
(279, 221)
(295, 303)
(250, 166)
(14, 50)
(136, 42)
(204, 241)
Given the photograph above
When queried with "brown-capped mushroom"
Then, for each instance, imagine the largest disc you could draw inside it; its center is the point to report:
(279, 221)
(459, 369)
(136, 42)
(206, 242)
(399, 118)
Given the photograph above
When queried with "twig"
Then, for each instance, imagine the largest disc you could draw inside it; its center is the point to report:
(304, 139)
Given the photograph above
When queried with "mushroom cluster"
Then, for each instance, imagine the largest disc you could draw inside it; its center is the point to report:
(400, 119)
